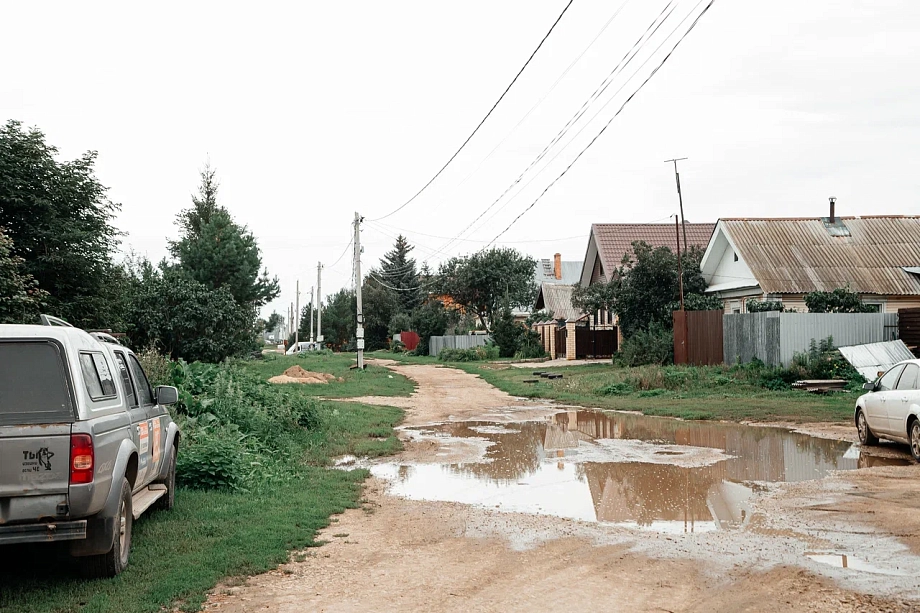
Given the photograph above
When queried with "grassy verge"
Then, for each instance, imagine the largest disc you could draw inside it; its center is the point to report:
(717, 392)
(178, 556)
(687, 392)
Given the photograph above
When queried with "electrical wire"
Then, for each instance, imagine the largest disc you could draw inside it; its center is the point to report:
(476, 240)
(609, 122)
(605, 83)
(473, 133)
(538, 102)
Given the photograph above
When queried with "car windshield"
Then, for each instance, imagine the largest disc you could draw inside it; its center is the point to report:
(33, 384)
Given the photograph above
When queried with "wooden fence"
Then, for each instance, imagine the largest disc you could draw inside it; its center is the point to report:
(698, 337)
(909, 328)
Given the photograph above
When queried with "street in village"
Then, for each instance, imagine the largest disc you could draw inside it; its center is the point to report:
(501, 502)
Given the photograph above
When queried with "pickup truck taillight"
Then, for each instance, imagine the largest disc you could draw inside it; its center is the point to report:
(82, 459)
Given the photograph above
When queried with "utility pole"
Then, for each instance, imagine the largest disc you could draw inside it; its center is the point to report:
(312, 308)
(290, 320)
(359, 328)
(297, 319)
(680, 266)
(680, 198)
(319, 303)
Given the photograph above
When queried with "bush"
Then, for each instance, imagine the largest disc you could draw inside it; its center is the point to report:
(653, 346)
(211, 456)
(156, 365)
(397, 347)
(615, 389)
(761, 306)
(476, 354)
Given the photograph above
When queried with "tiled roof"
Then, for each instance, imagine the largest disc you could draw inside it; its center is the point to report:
(614, 240)
(558, 299)
(802, 255)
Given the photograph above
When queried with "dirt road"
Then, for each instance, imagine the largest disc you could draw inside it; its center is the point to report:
(398, 554)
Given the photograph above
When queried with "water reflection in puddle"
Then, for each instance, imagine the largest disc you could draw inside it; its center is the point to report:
(633, 470)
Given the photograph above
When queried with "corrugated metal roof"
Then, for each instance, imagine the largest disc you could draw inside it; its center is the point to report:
(614, 240)
(800, 255)
(558, 299)
(874, 357)
(545, 272)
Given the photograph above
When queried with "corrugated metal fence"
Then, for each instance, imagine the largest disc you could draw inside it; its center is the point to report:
(466, 341)
(698, 337)
(909, 325)
(776, 337)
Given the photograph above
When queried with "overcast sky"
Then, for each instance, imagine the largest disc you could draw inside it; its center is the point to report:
(311, 111)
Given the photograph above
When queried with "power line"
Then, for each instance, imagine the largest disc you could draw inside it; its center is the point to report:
(476, 240)
(610, 121)
(540, 100)
(605, 83)
(473, 133)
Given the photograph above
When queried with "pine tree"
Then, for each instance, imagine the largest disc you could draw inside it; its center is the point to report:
(399, 271)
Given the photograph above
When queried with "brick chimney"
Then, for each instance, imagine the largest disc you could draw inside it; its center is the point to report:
(557, 265)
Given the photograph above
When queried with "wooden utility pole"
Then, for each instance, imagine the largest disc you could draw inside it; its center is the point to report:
(680, 266)
(312, 308)
(359, 328)
(297, 319)
(680, 199)
(319, 303)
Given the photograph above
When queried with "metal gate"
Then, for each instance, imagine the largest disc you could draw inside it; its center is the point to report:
(698, 337)
(909, 328)
(561, 336)
(595, 343)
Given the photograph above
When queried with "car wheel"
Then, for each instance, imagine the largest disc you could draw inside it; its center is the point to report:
(115, 560)
(865, 434)
(168, 500)
(915, 439)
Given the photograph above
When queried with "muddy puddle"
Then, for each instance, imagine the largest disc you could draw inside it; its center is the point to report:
(636, 471)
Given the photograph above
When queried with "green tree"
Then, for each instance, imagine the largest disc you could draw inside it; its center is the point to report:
(186, 319)
(380, 305)
(479, 282)
(20, 297)
(645, 289)
(274, 320)
(339, 319)
(505, 332)
(398, 271)
(219, 253)
(429, 319)
(59, 216)
(841, 300)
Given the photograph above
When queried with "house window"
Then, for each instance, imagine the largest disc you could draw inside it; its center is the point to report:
(873, 307)
(735, 256)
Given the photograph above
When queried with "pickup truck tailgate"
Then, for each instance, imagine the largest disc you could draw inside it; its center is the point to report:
(34, 472)
(36, 415)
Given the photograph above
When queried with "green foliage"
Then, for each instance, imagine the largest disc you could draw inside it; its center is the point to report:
(823, 361)
(476, 354)
(58, 217)
(761, 306)
(698, 302)
(219, 253)
(380, 305)
(400, 322)
(20, 297)
(185, 319)
(397, 347)
(505, 332)
(652, 346)
(597, 296)
(339, 319)
(619, 388)
(430, 319)
(274, 320)
(157, 366)
(841, 300)
(480, 282)
(398, 271)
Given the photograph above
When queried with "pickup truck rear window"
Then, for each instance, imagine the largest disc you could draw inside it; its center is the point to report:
(33, 384)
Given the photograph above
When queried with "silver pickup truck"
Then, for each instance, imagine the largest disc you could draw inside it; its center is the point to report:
(86, 446)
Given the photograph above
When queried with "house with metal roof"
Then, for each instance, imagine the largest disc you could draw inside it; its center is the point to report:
(609, 243)
(785, 258)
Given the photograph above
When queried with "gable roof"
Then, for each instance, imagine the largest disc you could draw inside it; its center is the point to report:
(558, 299)
(791, 256)
(546, 273)
(609, 242)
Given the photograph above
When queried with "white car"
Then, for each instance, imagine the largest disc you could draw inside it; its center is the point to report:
(891, 409)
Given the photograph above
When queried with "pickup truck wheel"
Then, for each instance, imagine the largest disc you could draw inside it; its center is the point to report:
(865, 434)
(115, 560)
(168, 500)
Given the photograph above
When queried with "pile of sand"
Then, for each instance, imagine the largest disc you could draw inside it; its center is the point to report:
(296, 374)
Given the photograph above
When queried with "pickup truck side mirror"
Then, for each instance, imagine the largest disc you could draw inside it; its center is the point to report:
(869, 387)
(166, 394)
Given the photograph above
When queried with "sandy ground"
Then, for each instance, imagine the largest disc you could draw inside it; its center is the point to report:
(401, 555)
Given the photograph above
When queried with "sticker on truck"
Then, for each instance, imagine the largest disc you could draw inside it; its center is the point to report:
(143, 434)
(156, 440)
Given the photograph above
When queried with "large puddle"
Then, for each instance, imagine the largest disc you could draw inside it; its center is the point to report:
(643, 472)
